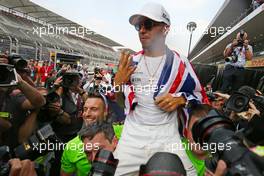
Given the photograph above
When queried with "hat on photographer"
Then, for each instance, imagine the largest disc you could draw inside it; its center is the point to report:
(152, 11)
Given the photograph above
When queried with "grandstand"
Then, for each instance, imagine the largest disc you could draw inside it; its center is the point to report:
(237, 15)
(19, 20)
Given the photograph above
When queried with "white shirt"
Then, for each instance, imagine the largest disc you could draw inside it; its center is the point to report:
(146, 112)
(241, 55)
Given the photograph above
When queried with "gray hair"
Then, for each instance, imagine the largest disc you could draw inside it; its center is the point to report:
(89, 131)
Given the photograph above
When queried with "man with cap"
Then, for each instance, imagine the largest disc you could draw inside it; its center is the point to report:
(156, 82)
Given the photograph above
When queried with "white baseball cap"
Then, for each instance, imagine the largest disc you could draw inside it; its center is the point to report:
(153, 11)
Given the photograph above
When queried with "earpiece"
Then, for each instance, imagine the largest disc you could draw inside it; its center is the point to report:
(166, 30)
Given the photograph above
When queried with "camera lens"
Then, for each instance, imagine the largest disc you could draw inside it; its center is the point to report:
(239, 102)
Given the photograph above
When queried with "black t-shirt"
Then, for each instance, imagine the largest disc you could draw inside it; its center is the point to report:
(13, 105)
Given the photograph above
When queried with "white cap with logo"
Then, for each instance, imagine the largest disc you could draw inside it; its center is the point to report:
(152, 11)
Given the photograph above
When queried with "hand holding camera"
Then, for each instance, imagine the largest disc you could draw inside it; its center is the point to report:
(252, 111)
(3, 59)
(22, 168)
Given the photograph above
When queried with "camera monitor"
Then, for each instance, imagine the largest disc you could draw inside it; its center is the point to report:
(8, 75)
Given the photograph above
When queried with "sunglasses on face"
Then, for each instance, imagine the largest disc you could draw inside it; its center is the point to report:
(148, 25)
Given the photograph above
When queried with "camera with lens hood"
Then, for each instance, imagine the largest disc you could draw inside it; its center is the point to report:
(8, 75)
(216, 129)
(104, 164)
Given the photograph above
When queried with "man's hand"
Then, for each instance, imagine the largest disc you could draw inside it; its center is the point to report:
(169, 103)
(125, 70)
(22, 168)
(54, 108)
(252, 111)
(234, 43)
(3, 60)
(58, 81)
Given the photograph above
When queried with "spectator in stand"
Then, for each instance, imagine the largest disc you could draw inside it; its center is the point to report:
(33, 70)
(38, 74)
(44, 71)
(257, 3)
(236, 54)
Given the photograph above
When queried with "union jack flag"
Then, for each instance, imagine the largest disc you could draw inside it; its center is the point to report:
(177, 78)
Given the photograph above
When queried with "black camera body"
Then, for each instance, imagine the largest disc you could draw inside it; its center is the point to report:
(51, 97)
(104, 164)
(18, 61)
(70, 79)
(219, 130)
(8, 75)
(27, 150)
(240, 43)
(31, 148)
(237, 102)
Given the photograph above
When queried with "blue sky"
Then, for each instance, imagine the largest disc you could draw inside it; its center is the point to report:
(110, 18)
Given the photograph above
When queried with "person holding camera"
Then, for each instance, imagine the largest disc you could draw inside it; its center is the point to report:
(95, 110)
(17, 101)
(236, 54)
(257, 3)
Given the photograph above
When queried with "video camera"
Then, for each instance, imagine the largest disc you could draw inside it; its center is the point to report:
(51, 97)
(8, 75)
(70, 79)
(29, 149)
(104, 164)
(216, 129)
(239, 101)
(18, 61)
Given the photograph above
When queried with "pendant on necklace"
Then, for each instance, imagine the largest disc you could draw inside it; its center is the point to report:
(151, 81)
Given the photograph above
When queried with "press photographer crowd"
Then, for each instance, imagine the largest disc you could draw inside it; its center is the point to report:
(64, 119)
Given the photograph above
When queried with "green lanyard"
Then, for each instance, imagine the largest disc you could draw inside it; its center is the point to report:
(5, 115)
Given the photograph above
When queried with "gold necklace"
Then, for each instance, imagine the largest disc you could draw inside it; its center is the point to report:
(151, 79)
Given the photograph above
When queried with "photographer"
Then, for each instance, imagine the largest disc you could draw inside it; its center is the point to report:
(257, 3)
(75, 161)
(72, 98)
(236, 54)
(17, 101)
